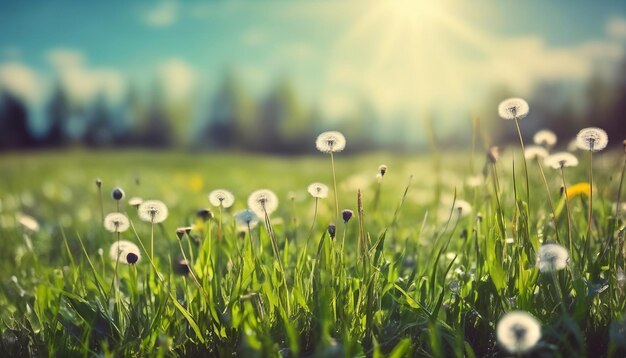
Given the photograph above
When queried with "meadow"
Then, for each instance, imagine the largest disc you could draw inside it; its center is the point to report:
(437, 249)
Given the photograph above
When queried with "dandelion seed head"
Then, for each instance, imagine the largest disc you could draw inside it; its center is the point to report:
(552, 257)
(561, 160)
(28, 222)
(474, 181)
(535, 152)
(513, 108)
(318, 190)
(330, 142)
(545, 137)
(382, 170)
(263, 201)
(116, 222)
(221, 197)
(245, 218)
(135, 201)
(125, 252)
(153, 211)
(117, 193)
(593, 139)
(462, 207)
(493, 154)
(518, 331)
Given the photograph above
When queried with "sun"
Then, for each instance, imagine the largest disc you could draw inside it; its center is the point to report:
(412, 52)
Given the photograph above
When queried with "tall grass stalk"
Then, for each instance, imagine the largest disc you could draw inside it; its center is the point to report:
(545, 182)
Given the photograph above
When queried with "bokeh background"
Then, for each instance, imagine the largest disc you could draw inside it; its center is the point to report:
(268, 76)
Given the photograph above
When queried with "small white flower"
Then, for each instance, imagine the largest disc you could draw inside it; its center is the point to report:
(245, 218)
(513, 108)
(125, 252)
(518, 331)
(545, 137)
(535, 151)
(318, 190)
(561, 160)
(330, 142)
(153, 211)
(593, 139)
(552, 257)
(28, 222)
(221, 197)
(116, 222)
(262, 202)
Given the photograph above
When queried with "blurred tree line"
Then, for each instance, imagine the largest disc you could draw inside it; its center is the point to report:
(280, 122)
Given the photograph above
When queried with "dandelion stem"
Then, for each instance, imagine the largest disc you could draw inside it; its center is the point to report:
(590, 192)
(619, 190)
(569, 220)
(193, 276)
(545, 182)
(332, 162)
(101, 203)
(152, 240)
(306, 244)
(521, 141)
(270, 231)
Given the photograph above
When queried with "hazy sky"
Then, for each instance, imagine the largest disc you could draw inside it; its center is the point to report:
(405, 55)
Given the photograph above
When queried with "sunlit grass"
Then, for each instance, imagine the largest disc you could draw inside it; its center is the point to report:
(398, 278)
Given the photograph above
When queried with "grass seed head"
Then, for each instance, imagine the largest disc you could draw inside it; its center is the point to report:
(330, 142)
(493, 154)
(592, 139)
(513, 108)
(518, 332)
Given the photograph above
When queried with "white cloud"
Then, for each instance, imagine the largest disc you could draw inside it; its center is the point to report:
(616, 28)
(82, 82)
(21, 81)
(253, 37)
(177, 78)
(164, 14)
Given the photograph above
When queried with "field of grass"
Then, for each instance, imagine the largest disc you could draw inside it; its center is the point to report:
(412, 273)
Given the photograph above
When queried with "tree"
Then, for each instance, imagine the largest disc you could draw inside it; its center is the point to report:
(14, 131)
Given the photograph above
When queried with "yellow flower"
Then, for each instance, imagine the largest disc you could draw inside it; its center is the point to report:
(578, 189)
(195, 183)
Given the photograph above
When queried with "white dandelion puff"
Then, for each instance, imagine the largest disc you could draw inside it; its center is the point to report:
(535, 152)
(221, 197)
(125, 252)
(561, 160)
(330, 142)
(513, 108)
(28, 222)
(135, 201)
(475, 181)
(262, 202)
(153, 211)
(552, 257)
(593, 139)
(462, 208)
(545, 137)
(116, 222)
(518, 331)
(318, 190)
(245, 218)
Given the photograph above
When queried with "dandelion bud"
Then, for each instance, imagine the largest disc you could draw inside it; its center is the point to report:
(180, 233)
(382, 169)
(98, 183)
(493, 153)
(100, 252)
(204, 214)
(347, 215)
(132, 258)
(117, 193)
(332, 229)
(180, 266)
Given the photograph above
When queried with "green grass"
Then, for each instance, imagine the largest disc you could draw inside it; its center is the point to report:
(410, 279)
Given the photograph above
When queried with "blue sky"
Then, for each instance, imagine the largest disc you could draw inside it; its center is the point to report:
(405, 55)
